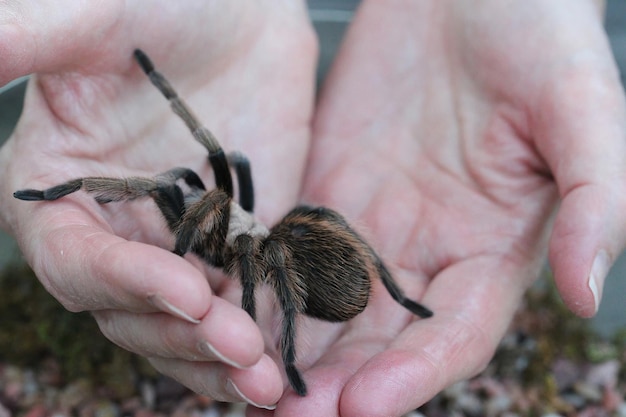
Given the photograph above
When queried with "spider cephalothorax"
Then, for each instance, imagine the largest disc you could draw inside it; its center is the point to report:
(315, 262)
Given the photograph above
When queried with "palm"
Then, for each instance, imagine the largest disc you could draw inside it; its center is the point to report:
(90, 111)
(439, 144)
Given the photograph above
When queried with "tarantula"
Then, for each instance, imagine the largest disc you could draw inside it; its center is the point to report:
(315, 262)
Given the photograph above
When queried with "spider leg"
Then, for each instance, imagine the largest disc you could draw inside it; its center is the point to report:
(288, 337)
(244, 263)
(104, 189)
(241, 164)
(290, 294)
(188, 175)
(203, 227)
(396, 292)
(217, 157)
(51, 193)
(168, 196)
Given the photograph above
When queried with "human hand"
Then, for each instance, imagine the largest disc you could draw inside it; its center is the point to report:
(452, 130)
(246, 68)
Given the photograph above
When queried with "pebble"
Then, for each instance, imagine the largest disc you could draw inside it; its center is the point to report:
(106, 408)
(588, 391)
(4, 412)
(509, 414)
(604, 374)
(495, 406)
(236, 410)
(76, 393)
(148, 394)
(565, 373)
(611, 399)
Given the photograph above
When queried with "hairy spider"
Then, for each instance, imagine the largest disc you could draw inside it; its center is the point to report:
(315, 262)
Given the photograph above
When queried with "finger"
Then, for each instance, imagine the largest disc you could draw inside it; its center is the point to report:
(260, 385)
(473, 303)
(43, 37)
(226, 334)
(86, 267)
(581, 132)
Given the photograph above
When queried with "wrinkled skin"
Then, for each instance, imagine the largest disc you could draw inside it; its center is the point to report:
(467, 140)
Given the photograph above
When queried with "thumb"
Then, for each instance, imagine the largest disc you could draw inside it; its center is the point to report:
(588, 236)
(583, 139)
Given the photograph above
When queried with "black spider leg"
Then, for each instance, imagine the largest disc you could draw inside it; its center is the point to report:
(104, 189)
(289, 294)
(245, 249)
(244, 179)
(288, 337)
(167, 195)
(396, 292)
(244, 263)
(49, 194)
(217, 158)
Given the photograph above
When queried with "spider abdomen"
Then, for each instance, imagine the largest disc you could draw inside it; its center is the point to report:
(330, 258)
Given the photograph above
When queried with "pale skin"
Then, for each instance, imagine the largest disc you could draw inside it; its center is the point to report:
(448, 132)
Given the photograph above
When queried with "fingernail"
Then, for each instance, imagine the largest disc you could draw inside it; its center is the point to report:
(209, 350)
(234, 390)
(599, 270)
(159, 302)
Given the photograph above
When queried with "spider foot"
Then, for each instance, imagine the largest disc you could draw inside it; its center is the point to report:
(295, 380)
(29, 195)
(416, 308)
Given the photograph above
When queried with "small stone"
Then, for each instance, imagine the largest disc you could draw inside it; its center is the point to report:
(496, 405)
(168, 388)
(593, 412)
(604, 374)
(204, 401)
(4, 412)
(144, 412)
(236, 410)
(211, 412)
(37, 411)
(12, 384)
(50, 373)
(75, 393)
(470, 404)
(148, 394)
(130, 405)
(611, 399)
(574, 400)
(565, 373)
(106, 408)
(509, 414)
(588, 391)
(456, 390)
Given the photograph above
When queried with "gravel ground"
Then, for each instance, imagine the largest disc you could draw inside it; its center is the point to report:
(549, 364)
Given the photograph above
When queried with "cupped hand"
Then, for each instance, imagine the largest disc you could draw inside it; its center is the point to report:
(450, 131)
(247, 70)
